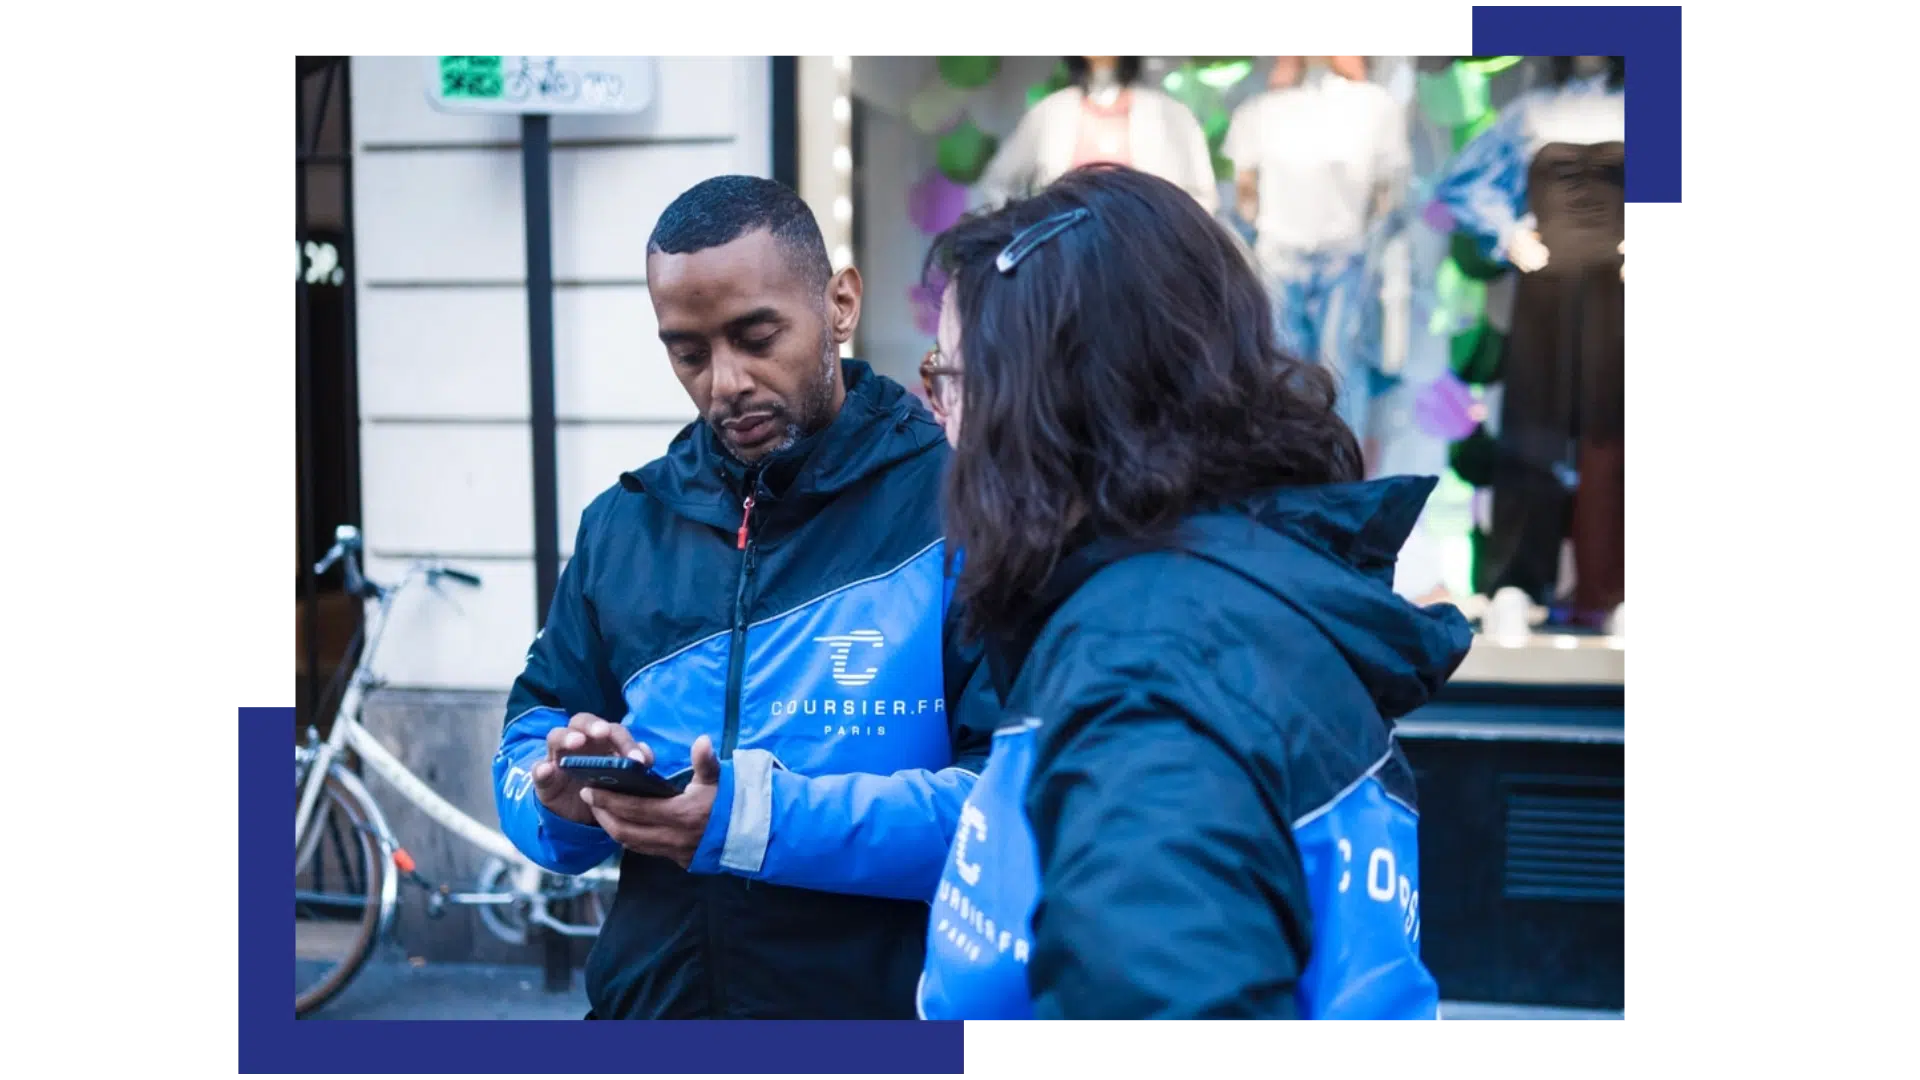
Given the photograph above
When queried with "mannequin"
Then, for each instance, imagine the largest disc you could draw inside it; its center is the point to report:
(1107, 115)
(1321, 160)
(1544, 190)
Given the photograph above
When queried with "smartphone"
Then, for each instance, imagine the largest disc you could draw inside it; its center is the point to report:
(618, 774)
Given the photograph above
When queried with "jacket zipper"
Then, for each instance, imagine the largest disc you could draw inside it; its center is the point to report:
(737, 656)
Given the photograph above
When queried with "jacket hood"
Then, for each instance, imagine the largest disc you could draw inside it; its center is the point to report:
(879, 425)
(1328, 552)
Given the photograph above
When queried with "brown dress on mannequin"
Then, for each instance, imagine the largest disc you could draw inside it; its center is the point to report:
(1562, 473)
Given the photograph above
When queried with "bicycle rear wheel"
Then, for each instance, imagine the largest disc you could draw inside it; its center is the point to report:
(336, 886)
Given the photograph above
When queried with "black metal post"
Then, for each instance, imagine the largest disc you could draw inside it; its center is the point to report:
(308, 692)
(349, 339)
(536, 170)
(786, 120)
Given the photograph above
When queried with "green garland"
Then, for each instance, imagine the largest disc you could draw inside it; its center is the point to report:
(1201, 84)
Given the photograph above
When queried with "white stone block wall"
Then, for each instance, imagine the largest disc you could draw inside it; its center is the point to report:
(446, 454)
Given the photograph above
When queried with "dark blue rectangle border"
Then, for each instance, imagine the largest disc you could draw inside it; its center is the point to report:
(272, 1041)
(1649, 38)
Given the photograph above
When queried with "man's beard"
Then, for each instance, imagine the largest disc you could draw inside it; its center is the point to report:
(816, 407)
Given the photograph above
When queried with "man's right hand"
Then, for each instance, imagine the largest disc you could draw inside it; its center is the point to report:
(584, 735)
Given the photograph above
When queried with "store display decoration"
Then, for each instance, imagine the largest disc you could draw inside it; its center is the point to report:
(962, 148)
(1459, 100)
(960, 152)
(1202, 87)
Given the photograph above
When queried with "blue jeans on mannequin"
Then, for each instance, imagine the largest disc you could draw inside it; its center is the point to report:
(1326, 308)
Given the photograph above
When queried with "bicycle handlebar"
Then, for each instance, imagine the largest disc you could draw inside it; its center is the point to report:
(347, 545)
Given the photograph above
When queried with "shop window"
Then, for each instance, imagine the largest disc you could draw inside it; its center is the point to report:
(1452, 356)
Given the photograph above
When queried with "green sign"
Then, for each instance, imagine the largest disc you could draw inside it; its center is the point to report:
(472, 78)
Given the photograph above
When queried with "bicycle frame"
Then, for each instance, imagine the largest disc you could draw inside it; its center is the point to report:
(349, 733)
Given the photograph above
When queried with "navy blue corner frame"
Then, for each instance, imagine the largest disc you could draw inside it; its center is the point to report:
(1649, 37)
(272, 1041)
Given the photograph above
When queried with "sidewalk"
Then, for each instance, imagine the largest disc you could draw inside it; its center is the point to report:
(393, 989)
(390, 988)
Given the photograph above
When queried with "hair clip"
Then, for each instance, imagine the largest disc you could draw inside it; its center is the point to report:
(1027, 240)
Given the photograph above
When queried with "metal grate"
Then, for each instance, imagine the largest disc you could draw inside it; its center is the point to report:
(1566, 839)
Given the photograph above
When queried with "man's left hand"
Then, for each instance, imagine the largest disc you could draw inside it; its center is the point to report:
(670, 828)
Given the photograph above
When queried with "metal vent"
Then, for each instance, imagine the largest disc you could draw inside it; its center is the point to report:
(1566, 839)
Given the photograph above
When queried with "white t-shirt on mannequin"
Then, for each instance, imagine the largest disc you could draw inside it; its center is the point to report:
(1322, 150)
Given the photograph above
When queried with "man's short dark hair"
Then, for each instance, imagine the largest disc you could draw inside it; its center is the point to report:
(725, 208)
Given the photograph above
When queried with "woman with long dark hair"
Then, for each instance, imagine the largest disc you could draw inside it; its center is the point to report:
(1196, 806)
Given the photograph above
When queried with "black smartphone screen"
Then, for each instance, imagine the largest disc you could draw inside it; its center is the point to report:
(617, 774)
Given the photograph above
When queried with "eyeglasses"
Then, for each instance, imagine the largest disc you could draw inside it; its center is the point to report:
(941, 381)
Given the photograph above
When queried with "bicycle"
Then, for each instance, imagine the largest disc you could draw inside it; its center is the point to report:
(340, 833)
(548, 82)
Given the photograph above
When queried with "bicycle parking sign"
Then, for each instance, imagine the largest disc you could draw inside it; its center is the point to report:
(540, 84)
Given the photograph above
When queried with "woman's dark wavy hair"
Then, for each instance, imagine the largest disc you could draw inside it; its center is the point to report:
(1124, 376)
(1616, 71)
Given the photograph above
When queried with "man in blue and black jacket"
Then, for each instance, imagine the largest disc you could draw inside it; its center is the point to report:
(759, 615)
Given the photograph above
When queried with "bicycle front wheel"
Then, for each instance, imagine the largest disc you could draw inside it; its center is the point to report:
(336, 889)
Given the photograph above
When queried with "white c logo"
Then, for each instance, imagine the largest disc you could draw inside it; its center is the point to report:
(973, 825)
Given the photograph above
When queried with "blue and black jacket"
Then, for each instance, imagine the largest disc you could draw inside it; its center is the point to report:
(794, 613)
(1201, 810)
